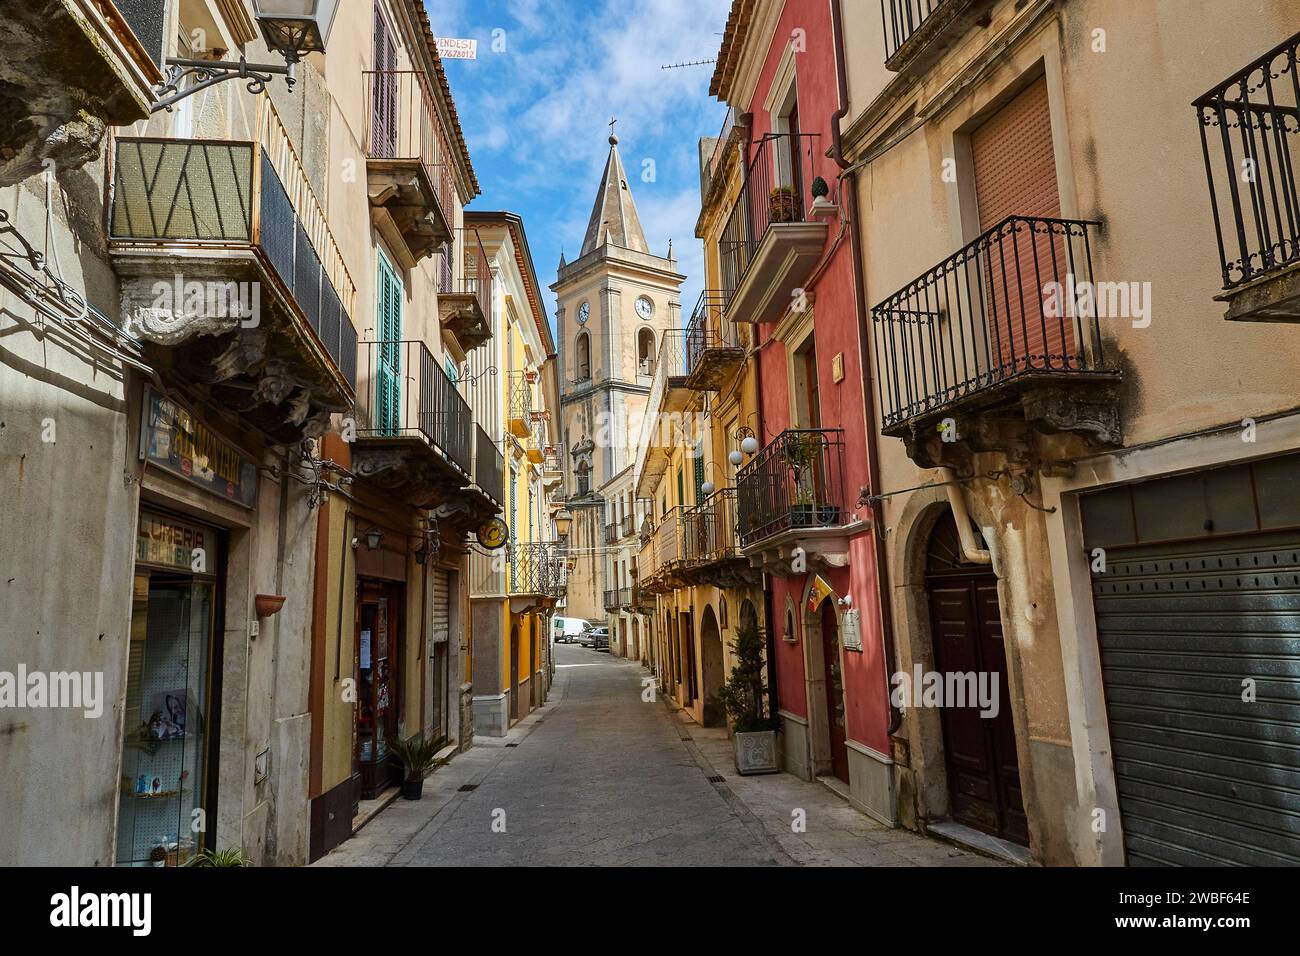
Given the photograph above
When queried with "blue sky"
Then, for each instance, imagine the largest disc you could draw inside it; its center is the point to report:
(536, 115)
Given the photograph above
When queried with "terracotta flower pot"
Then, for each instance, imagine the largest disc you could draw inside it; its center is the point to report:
(268, 604)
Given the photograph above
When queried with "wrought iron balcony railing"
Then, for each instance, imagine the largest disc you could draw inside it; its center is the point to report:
(476, 276)
(1006, 306)
(903, 18)
(489, 466)
(520, 404)
(240, 195)
(712, 343)
(667, 539)
(611, 532)
(402, 124)
(535, 568)
(795, 482)
(612, 600)
(777, 188)
(709, 529)
(1250, 140)
(627, 527)
(406, 394)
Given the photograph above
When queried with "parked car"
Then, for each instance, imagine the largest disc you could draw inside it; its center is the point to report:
(595, 638)
(566, 630)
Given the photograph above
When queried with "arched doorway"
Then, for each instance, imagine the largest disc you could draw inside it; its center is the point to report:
(824, 675)
(713, 669)
(834, 674)
(966, 632)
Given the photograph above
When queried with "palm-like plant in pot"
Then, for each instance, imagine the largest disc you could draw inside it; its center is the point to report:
(417, 756)
(744, 697)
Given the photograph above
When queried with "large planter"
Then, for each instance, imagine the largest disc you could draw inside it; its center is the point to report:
(814, 516)
(755, 752)
(413, 789)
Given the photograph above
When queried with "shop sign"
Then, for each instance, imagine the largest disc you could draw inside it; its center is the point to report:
(176, 441)
(169, 543)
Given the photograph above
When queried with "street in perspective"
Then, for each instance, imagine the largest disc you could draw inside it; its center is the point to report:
(781, 436)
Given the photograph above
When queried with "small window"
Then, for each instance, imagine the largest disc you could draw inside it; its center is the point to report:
(584, 356)
(584, 478)
(645, 352)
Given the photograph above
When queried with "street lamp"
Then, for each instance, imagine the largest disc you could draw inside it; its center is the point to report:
(292, 28)
(563, 523)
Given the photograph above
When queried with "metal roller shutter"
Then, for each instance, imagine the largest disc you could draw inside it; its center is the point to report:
(1204, 777)
(441, 605)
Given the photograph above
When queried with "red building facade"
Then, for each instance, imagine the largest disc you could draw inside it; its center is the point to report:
(789, 267)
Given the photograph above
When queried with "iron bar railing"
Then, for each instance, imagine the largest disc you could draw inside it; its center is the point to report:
(709, 529)
(709, 328)
(1008, 304)
(902, 18)
(796, 481)
(489, 465)
(406, 394)
(1250, 140)
(611, 533)
(627, 527)
(667, 539)
(520, 403)
(231, 194)
(536, 567)
(476, 274)
(402, 124)
(777, 188)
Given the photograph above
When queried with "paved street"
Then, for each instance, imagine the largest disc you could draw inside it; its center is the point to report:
(598, 777)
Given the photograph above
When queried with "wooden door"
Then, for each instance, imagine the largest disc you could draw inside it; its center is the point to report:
(834, 683)
(979, 752)
(514, 670)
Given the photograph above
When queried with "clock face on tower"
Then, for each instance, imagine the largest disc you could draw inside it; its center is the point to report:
(644, 307)
(584, 313)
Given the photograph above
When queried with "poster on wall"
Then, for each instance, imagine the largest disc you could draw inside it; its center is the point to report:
(176, 441)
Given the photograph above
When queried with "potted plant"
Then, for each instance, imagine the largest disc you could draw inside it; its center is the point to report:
(744, 697)
(230, 856)
(781, 204)
(800, 452)
(417, 756)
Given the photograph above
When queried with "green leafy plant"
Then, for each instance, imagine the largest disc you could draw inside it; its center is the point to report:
(744, 695)
(230, 856)
(799, 452)
(417, 756)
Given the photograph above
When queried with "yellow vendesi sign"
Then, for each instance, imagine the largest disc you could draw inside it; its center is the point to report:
(819, 592)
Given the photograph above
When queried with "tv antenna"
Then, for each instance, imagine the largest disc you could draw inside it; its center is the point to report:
(676, 66)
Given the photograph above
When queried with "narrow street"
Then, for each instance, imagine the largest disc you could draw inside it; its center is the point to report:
(598, 777)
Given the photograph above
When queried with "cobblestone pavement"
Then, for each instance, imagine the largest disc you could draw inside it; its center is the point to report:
(598, 777)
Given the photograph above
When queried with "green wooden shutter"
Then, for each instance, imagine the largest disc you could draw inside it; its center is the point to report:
(388, 384)
(699, 472)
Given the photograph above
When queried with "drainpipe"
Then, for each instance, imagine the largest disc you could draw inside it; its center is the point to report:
(965, 533)
(848, 196)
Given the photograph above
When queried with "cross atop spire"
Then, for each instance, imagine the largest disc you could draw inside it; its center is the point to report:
(614, 217)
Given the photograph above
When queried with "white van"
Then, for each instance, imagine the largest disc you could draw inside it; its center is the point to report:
(567, 630)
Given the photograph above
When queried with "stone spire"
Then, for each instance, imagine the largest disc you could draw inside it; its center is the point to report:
(614, 218)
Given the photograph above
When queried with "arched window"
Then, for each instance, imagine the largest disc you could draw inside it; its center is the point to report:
(584, 478)
(645, 351)
(584, 357)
